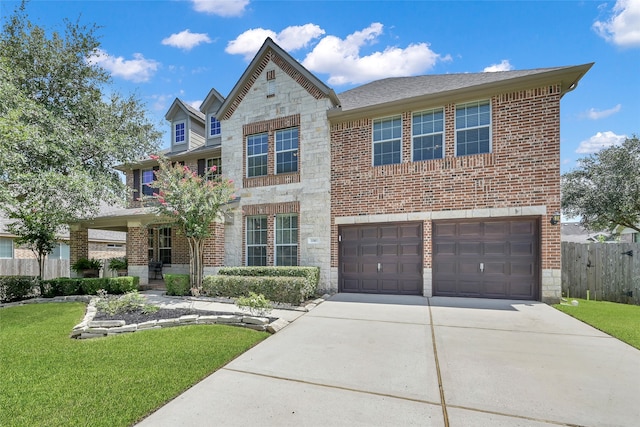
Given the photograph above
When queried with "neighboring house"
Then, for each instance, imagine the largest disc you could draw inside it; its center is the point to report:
(576, 233)
(429, 185)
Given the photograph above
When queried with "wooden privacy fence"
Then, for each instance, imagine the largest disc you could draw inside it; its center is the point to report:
(53, 268)
(609, 271)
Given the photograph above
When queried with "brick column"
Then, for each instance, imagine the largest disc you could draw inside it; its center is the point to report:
(78, 245)
(137, 251)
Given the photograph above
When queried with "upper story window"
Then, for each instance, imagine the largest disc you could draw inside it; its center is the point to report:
(257, 148)
(473, 128)
(287, 150)
(428, 135)
(179, 133)
(214, 126)
(256, 240)
(6, 247)
(217, 162)
(147, 178)
(387, 137)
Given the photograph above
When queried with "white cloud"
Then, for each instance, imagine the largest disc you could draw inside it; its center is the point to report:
(342, 61)
(290, 39)
(186, 40)
(139, 69)
(594, 114)
(195, 104)
(623, 27)
(221, 7)
(503, 66)
(599, 141)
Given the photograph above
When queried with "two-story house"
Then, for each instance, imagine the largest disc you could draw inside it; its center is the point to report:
(428, 185)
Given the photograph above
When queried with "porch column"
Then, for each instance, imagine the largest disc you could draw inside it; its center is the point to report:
(78, 246)
(137, 251)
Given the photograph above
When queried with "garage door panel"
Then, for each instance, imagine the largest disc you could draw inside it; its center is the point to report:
(389, 268)
(444, 248)
(369, 268)
(368, 232)
(349, 268)
(412, 249)
(509, 254)
(389, 249)
(350, 285)
(411, 231)
(389, 233)
(469, 248)
(369, 250)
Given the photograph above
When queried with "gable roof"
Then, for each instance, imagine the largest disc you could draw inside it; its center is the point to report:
(271, 51)
(395, 91)
(211, 98)
(178, 104)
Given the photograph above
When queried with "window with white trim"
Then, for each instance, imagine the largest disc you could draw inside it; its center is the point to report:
(164, 245)
(217, 162)
(60, 251)
(6, 248)
(387, 141)
(427, 129)
(148, 177)
(257, 149)
(286, 239)
(256, 240)
(180, 132)
(473, 128)
(287, 150)
(151, 243)
(214, 126)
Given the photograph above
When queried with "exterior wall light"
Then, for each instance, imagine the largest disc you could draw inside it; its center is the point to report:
(555, 218)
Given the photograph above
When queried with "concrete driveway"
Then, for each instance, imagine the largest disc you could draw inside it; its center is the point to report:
(372, 360)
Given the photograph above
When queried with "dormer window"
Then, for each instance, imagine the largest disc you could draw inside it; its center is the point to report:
(214, 126)
(179, 133)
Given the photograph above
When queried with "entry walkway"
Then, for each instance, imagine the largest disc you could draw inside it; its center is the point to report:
(359, 360)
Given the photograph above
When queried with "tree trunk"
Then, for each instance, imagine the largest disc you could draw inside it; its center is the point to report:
(196, 264)
(41, 258)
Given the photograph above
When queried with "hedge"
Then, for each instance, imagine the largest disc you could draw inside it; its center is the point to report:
(88, 286)
(177, 284)
(17, 288)
(280, 289)
(310, 274)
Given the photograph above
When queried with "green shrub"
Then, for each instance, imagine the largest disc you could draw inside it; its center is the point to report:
(87, 286)
(86, 264)
(257, 304)
(177, 284)
(129, 302)
(289, 290)
(310, 274)
(17, 288)
(118, 264)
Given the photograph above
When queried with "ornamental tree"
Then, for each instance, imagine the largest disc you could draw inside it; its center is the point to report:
(191, 203)
(605, 189)
(63, 127)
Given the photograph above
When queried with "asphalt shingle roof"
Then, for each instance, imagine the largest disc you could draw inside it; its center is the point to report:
(397, 88)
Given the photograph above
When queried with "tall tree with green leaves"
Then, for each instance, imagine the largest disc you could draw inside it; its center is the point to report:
(63, 126)
(604, 191)
(191, 203)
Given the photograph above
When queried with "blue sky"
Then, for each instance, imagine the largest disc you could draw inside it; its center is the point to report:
(165, 49)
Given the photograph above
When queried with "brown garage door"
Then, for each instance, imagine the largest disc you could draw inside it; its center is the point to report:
(381, 258)
(497, 258)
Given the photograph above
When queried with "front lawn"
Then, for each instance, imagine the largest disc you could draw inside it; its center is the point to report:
(618, 320)
(48, 379)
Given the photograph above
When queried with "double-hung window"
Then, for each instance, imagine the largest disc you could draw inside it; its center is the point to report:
(428, 135)
(151, 243)
(286, 241)
(164, 245)
(217, 162)
(257, 154)
(214, 126)
(387, 137)
(6, 247)
(473, 128)
(287, 150)
(148, 177)
(179, 133)
(256, 240)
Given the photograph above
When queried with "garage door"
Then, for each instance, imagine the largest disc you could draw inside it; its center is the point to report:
(381, 258)
(497, 258)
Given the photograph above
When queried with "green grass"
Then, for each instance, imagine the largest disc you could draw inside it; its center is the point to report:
(48, 379)
(618, 320)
